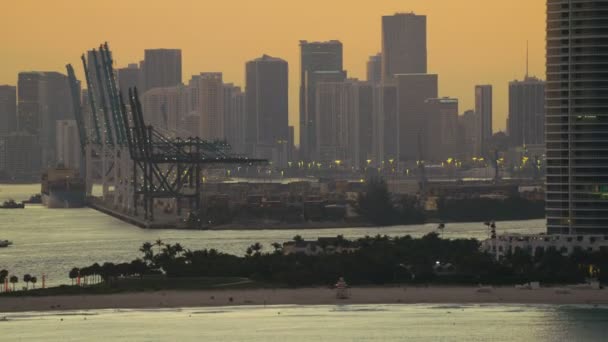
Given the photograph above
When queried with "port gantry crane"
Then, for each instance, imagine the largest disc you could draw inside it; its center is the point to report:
(139, 163)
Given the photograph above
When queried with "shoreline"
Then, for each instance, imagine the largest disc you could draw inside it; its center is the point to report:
(305, 296)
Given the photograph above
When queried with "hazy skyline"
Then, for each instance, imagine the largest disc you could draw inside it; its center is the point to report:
(469, 41)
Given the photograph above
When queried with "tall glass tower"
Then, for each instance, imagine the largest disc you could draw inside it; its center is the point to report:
(577, 116)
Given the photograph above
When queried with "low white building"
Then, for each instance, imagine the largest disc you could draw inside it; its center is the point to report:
(502, 245)
(321, 246)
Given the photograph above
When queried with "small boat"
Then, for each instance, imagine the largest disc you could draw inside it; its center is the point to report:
(11, 204)
(5, 243)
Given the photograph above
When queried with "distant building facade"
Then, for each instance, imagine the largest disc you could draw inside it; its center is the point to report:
(527, 112)
(164, 108)
(267, 121)
(374, 69)
(211, 106)
(483, 108)
(412, 92)
(385, 125)
(404, 47)
(234, 117)
(129, 78)
(8, 109)
(22, 156)
(162, 68)
(470, 135)
(442, 128)
(314, 57)
(43, 98)
(68, 144)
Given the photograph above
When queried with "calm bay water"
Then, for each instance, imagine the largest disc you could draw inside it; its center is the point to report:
(52, 241)
(317, 323)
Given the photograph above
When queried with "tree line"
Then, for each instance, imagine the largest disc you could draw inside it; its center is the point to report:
(379, 260)
(13, 280)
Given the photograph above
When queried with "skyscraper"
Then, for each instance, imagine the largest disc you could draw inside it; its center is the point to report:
(412, 92)
(527, 111)
(483, 108)
(314, 56)
(43, 98)
(165, 107)
(577, 117)
(470, 140)
(267, 105)
(234, 117)
(442, 128)
(316, 78)
(162, 68)
(29, 97)
(374, 69)
(403, 45)
(344, 114)
(8, 109)
(68, 144)
(211, 105)
(385, 122)
(128, 78)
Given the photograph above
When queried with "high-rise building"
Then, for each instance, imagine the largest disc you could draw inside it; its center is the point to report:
(442, 128)
(67, 144)
(362, 124)
(374, 69)
(29, 97)
(211, 105)
(162, 68)
(129, 78)
(234, 117)
(483, 108)
(527, 112)
(412, 92)
(332, 122)
(314, 57)
(345, 129)
(267, 108)
(403, 45)
(316, 78)
(577, 117)
(470, 139)
(385, 125)
(21, 156)
(43, 98)
(8, 109)
(164, 107)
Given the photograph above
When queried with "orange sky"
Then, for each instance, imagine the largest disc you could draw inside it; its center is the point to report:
(470, 41)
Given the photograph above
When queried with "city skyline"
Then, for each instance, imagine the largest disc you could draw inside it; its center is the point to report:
(228, 48)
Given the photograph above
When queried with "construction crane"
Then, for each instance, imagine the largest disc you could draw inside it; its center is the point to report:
(146, 164)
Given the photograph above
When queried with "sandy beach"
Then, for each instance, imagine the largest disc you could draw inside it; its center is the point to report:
(305, 296)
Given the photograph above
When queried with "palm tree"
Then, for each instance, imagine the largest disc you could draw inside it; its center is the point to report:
(3, 275)
(146, 248)
(27, 278)
(34, 280)
(159, 243)
(441, 228)
(256, 248)
(178, 248)
(74, 274)
(277, 247)
(14, 280)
